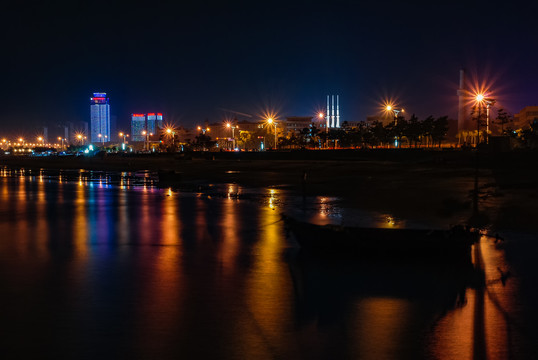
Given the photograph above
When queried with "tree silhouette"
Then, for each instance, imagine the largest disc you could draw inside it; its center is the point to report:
(503, 118)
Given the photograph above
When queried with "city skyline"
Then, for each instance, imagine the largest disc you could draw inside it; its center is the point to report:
(249, 58)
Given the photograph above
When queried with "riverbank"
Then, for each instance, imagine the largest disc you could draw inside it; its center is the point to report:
(434, 186)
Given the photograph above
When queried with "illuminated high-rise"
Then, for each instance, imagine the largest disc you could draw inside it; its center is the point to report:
(100, 118)
(138, 126)
(155, 122)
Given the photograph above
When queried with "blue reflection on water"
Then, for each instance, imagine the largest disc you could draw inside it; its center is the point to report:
(108, 266)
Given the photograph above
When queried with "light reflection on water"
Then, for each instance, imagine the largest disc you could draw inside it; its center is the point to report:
(94, 269)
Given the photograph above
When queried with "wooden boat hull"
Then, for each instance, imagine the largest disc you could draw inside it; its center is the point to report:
(378, 243)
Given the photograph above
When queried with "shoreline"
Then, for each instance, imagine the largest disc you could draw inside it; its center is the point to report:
(436, 186)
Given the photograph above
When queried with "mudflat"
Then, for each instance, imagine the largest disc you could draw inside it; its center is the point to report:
(433, 185)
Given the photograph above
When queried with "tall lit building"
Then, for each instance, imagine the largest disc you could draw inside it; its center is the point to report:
(155, 122)
(100, 118)
(138, 125)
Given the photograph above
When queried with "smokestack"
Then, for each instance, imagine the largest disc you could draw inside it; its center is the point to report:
(332, 113)
(337, 112)
(462, 108)
(327, 114)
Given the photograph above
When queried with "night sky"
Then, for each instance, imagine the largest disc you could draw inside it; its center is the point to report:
(190, 59)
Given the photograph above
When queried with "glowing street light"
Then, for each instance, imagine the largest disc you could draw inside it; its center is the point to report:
(396, 112)
(170, 131)
(270, 121)
(231, 126)
(145, 133)
(80, 138)
(480, 100)
(203, 130)
(62, 140)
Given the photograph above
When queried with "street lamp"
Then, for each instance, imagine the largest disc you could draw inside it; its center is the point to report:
(123, 135)
(489, 103)
(145, 133)
(230, 126)
(100, 136)
(62, 140)
(270, 121)
(41, 140)
(80, 138)
(321, 116)
(396, 112)
(170, 132)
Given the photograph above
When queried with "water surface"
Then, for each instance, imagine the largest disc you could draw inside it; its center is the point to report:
(101, 266)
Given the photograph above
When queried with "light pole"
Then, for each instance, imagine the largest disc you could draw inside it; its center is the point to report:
(62, 140)
(100, 136)
(396, 113)
(489, 102)
(145, 133)
(230, 126)
(122, 134)
(270, 121)
(479, 100)
(80, 138)
(321, 116)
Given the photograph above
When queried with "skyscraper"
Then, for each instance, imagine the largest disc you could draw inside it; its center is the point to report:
(100, 118)
(138, 125)
(155, 122)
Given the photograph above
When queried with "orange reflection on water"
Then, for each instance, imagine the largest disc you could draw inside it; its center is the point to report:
(229, 245)
(381, 323)
(161, 302)
(389, 221)
(170, 223)
(484, 327)
(144, 220)
(80, 226)
(269, 292)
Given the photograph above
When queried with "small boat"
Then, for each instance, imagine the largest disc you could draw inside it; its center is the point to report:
(422, 245)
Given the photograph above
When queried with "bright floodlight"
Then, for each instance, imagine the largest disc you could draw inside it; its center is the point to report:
(270, 120)
(320, 115)
(39, 138)
(168, 131)
(228, 125)
(479, 97)
(389, 108)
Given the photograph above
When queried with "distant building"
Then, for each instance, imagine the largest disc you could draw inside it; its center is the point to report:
(350, 125)
(138, 126)
(99, 118)
(524, 118)
(298, 123)
(155, 122)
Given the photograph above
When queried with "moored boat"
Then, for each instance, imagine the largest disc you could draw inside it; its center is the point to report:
(425, 245)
